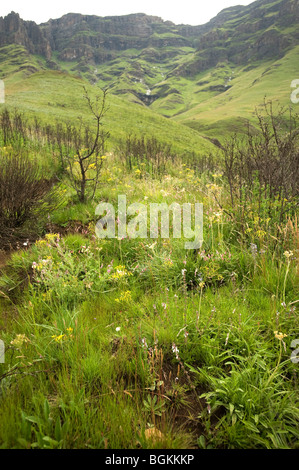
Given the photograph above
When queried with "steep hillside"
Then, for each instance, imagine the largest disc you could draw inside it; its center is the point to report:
(56, 95)
(244, 91)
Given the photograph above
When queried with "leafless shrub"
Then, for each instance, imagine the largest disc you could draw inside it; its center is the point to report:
(25, 197)
(14, 127)
(148, 151)
(262, 170)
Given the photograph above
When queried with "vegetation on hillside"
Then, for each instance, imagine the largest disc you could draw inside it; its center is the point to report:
(208, 77)
(139, 343)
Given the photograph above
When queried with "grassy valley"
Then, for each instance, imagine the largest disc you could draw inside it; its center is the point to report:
(56, 95)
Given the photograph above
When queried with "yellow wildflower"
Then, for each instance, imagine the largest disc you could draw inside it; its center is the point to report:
(41, 243)
(58, 338)
(19, 340)
(125, 297)
(50, 237)
(279, 335)
(120, 271)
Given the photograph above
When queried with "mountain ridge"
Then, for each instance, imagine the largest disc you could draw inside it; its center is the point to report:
(179, 71)
(89, 34)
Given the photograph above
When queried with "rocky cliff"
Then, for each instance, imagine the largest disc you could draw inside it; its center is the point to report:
(142, 56)
(13, 30)
(263, 30)
(237, 34)
(74, 35)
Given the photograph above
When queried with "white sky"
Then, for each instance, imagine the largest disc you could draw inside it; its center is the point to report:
(192, 12)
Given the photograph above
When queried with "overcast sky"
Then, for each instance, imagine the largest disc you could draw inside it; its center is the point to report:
(193, 12)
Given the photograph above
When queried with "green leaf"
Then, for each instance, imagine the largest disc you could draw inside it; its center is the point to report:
(251, 426)
(57, 432)
(196, 371)
(23, 442)
(46, 409)
(201, 441)
(50, 440)
(34, 420)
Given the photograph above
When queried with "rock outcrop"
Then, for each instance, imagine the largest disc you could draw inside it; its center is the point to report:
(261, 30)
(13, 30)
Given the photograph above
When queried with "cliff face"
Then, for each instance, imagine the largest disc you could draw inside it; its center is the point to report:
(263, 30)
(75, 35)
(13, 30)
(142, 57)
(238, 34)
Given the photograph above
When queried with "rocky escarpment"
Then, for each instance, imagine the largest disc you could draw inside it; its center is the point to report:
(265, 29)
(237, 34)
(96, 38)
(13, 30)
(137, 54)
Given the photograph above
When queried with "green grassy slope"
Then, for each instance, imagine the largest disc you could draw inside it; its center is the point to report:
(208, 78)
(249, 86)
(56, 95)
(212, 104)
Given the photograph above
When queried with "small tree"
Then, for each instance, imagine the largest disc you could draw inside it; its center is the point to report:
(85, 148)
